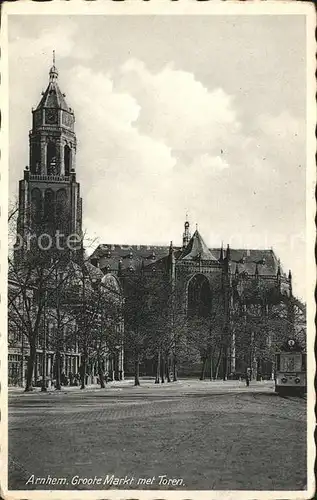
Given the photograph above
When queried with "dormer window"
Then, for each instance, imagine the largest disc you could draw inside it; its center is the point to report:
(131, 269)
(153, 256)
(130, 254)
(243, 260)
(108, 254)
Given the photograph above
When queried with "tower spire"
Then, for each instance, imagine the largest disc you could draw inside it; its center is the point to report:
(278, 268)
(256, 270)
(53, 71)
(228, 259)
(290, 282)
(221, 258)
(228, 253)
(278, 274)
(186, 233)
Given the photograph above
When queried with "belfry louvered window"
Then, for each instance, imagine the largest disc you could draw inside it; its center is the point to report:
(51, 159)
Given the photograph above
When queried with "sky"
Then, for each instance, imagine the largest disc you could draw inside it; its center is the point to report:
(202, 115)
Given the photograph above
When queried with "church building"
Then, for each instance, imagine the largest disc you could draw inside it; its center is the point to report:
(228, 285)
(209, 281)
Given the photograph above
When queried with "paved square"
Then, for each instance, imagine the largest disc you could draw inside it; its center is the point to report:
(185, 435)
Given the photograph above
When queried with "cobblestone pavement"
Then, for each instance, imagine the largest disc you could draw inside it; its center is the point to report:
(209, 435)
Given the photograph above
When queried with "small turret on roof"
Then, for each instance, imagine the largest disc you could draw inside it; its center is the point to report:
(119, 267)
(221, 257)
(186, 233)
(256, 270)
(228, 254)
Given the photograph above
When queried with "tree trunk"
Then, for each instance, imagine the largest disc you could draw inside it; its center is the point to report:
(100, 375)
(157, 378)
(162, 370)
(218, 364)
(168, 377)
(211, 368)
(137, 372)
(225, 364)
(174, 369)
(83, 370)
(203, 369)
(30, 368)
(58, 371)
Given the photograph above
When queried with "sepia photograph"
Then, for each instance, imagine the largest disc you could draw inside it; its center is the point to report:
(159, 252)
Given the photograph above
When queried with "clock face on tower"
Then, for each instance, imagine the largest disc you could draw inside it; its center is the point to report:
(51, 116)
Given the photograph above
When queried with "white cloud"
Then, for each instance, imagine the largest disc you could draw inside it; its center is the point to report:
(206, 164)
(281, 126)
(143, 165)
(59, 37)
(179, 109)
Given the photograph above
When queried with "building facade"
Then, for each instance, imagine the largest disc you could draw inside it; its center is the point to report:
(239, 291)
(41, 286)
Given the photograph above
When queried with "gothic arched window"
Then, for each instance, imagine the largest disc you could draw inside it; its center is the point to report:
(199, 297)
(49, 206)
(67, 160)
(36, 206)
(61, 209)
(51, 160)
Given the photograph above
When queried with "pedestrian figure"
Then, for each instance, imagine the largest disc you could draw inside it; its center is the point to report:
(106, 377)
(247, 380)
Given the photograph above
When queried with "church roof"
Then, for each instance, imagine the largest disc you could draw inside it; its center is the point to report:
(246, 260)
(197, 249)
(53, 97)
(129, 256)
(132, 256)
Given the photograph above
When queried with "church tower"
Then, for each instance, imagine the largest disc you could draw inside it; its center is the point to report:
(49, 195)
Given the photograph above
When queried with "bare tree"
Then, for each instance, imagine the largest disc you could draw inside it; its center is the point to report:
(30, 291)
(140, 319)
(261, 327)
